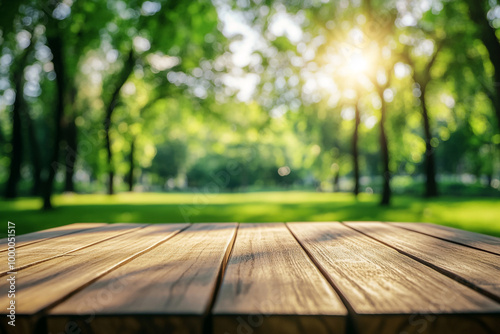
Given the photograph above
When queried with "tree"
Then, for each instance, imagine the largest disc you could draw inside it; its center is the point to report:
(355, 149)
(16, 138)
(488, 34)
(80, 32)
(422, 77)
(384, 147)
(123, 76)
(55, 44)
(130, 176)
(380, 28)
(161, 31)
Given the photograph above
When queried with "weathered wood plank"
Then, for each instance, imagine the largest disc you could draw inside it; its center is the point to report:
(65, 244)
(30, 238)
(388, 292)
(45, 284)
(271, 286)
(166, 290)
(475, 268)
(475, 240)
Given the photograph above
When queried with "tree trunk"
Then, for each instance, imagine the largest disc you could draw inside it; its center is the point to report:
(336, 177)
(70, 154)
(130, 177)
(16, 154)
(34, 149)
(384, 149)
(430, 165)
(2, 137)
(355, 153)
(487, 34)
(71, 140)
(128, 66)
(56, 46)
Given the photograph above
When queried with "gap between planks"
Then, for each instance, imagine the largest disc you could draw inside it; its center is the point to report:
(208, 318)
(350, 325)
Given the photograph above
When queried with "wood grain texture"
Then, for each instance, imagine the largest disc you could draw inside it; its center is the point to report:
(66, 244)
(388, 292)
(43, 285)
(475, 240)
(271, 286)
(30, 238)
(166, 290)
(157, 280)
(477, 269)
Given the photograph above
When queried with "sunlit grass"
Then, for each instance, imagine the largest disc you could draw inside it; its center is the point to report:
(480, 215)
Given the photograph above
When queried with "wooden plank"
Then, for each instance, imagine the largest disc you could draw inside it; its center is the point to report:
(388, 292)
(45, 284)
(271, 286)
(477, 269)
(65, 244)
(30, 238)
(475, 240)
(166, 290)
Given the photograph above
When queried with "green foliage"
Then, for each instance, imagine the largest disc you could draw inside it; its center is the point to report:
(170, 159)
(182, 89)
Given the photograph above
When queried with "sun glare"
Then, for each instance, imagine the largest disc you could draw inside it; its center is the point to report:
(357, 64)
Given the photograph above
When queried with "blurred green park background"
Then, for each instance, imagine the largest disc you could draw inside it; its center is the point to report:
(268, 110)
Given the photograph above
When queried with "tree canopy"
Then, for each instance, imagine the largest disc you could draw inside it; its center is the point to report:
(222, 95)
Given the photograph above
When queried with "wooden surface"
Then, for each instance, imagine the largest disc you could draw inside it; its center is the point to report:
(254, 278)
(477, 269)
(43, 285)
(270, 275)
(27, 239)
(383, 288)
(51, 248)
(475, 240)
(173, 280)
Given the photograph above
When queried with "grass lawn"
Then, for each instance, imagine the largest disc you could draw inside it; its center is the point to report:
(474, 214)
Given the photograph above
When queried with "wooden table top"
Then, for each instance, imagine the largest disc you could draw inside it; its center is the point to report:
(225, 278)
